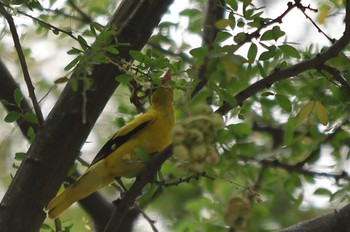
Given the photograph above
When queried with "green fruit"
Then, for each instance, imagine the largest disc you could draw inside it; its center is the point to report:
(212, 156)
(217, 121)
(194, 136)
(178, 134)
(197, 152)
(180, 152)
(201, 108)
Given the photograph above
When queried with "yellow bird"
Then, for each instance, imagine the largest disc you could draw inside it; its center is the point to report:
(149, 132)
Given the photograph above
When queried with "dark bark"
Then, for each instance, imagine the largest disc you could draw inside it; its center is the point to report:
(335, 221)
(7, 88)
(60, 138)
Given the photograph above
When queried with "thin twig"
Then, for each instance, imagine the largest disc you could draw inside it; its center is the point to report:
(150, 221)
(214, 12)
(22, 60)
(85, 17)
(183, 180)
(295, 168)
(337, 76)
(50, 26)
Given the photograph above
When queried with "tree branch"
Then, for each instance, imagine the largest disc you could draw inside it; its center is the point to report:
(60, 138)
(294, 70)
(23, 62)
(335, 221)
(146, 176)
(214, 12)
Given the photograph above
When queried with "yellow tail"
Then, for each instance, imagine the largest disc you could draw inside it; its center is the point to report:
(88, 183)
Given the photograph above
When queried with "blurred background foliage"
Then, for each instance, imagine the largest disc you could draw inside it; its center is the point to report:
(283, 153)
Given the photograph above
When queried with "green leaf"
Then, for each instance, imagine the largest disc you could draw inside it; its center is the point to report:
(74, 51)
(61, 80)
(223, 23)
(241, 130)
(113, 50)
(233, 4)
(253, 49)
(322, 113)
(273, 34)
(289, 131)
(46, 227)
(284, 102)
(277, 33)
(124, 78)
(137, 55)
(266, 94)
(18, 96)
(240, 37)
(20, 156)
(268, 54)
(12, 116)
(84, 45)
(72, 63)
(31, 134)
(199, 52)
(262, 70)
(289, 51)
(305, 110)
(323, 192)
(32, 118)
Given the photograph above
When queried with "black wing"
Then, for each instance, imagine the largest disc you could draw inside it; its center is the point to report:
(115, 142)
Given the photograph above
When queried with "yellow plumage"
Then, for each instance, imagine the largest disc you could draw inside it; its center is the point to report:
(149, 132)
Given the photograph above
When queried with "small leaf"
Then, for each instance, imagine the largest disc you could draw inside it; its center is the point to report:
(267, 35)
(266, 94)
(305, 110)
(323, 192)
(74, 51)
(289, 131)
(20, 156)
(223, 23)
(199, 52)
(113, 50)
(253, 49)
(322, 113)
(31, 134)
(32, 118)
(277, 33)
(233, 4)
(240, 37)
(72, 64)
(262, 70)
(284, 102)
(12, 116)
(124, 78)
(18, 96)
(61, 80)
(241, 130)
(289, 51)
(46, 227)
(84, 45)
(136, 55)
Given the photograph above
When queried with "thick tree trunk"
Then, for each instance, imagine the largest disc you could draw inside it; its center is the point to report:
(60, 138)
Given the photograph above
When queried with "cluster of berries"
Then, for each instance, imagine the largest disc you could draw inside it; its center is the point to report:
(193, 139)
